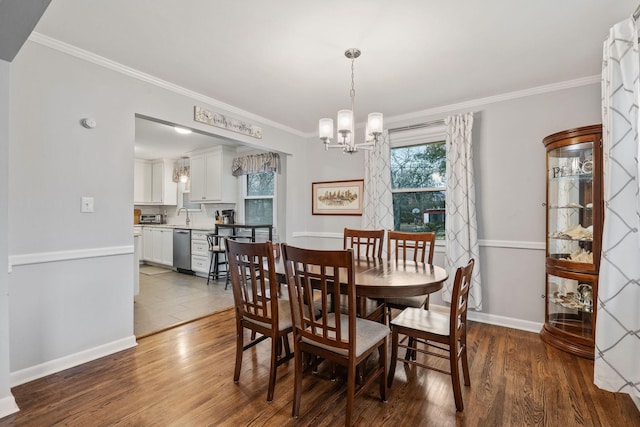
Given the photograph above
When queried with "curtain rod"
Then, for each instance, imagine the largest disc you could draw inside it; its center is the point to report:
(418, 126)
(636, 14)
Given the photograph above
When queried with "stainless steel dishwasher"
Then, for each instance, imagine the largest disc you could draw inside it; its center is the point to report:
(182, 250)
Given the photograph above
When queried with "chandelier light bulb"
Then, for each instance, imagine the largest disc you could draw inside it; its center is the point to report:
(375, 123)
(345, 121)
(325, 128)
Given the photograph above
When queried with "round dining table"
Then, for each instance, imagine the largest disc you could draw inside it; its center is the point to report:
(380, 278)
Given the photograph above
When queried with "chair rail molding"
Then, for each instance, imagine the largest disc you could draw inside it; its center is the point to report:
(68, 255)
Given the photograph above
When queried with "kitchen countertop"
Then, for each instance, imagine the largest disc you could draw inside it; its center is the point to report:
(190, 227)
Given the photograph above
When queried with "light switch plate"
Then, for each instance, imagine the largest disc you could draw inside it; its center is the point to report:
(87, 204)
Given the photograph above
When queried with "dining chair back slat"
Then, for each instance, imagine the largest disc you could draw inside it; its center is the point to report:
(365, 243)
(419, 246)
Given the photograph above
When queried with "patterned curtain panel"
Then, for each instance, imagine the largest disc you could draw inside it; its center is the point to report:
(461, 230)
(616, 365)
(256, 163)
(377, 209)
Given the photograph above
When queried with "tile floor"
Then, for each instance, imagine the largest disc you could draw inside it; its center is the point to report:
(167, 298)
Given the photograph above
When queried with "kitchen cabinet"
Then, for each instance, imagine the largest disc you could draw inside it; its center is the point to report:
(153, 183)
(200, 256)
(158, 245)
(211, 178)
(141, 182)
(574, 233)
(147, 243)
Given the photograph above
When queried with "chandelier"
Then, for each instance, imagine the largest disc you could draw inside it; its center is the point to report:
(345, 123)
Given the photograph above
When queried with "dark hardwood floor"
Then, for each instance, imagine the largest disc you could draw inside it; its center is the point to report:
(184, 377)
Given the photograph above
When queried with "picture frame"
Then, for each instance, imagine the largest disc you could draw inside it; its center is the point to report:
(337, 197)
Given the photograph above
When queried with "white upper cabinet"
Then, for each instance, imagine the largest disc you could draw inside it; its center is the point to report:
(211, 178)
(141, 182)
(153, 183)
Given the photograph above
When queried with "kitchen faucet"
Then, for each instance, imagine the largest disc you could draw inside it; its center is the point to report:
(187, 211)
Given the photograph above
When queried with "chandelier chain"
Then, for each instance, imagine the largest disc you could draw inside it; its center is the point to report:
(353, 84)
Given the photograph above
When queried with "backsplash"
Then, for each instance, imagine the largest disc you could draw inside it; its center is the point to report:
(204, 217)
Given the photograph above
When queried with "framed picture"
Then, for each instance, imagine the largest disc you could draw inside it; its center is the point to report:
(337, 197)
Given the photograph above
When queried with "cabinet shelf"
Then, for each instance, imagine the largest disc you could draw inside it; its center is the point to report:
(571, 239)
(574, 233)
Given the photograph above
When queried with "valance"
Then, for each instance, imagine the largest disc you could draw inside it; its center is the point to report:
(181, 170)
(256, 163)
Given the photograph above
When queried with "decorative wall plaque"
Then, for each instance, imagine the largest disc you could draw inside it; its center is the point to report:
(218, 120)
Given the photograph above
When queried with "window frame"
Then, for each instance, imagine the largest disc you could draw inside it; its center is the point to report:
(414, 137)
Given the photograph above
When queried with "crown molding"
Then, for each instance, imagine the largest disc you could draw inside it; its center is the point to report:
(148, 78)
(475, 103)
(420, 115)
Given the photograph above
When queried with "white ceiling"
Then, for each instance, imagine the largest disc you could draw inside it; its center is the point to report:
(155, 140)
(284, 60)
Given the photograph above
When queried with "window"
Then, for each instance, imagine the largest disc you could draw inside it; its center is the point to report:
(183, 198)
(418, 182)
(259, 198)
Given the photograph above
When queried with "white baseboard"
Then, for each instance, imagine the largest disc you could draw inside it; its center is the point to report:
(492, 319)
(34, 372)
(8, 406)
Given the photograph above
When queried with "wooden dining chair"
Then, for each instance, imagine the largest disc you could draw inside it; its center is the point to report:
(334, 336)
(257, 307)
(365, 243)
(403, 246)
(447, 334)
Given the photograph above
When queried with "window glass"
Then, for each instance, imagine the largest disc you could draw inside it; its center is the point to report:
(184, 200)
(260, 184)
(259, 195)
(418, 181)
(258, 211)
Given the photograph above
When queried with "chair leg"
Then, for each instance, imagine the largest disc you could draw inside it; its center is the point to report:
(411, 354)
(275, 345)
(297, 383)
(351, 391)
(394, 356)
(287, 349)
(455, 377)
(239, 346)
(382, 357)
(211, 268)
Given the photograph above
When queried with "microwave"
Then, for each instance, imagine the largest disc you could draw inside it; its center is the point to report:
(150, 219)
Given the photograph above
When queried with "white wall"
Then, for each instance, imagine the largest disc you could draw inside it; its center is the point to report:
(80, 305)
(7, 403)
(509, 163)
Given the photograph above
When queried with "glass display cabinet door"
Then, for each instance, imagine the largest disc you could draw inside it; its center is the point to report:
(569, 309)
(570, 206)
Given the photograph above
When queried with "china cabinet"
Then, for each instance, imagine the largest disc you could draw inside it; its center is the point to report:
(574, 232)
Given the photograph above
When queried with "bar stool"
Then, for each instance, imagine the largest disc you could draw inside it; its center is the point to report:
(217, 251)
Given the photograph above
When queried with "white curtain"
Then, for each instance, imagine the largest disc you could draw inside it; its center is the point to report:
(617, 353)
(461, 230)
(377, 209)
